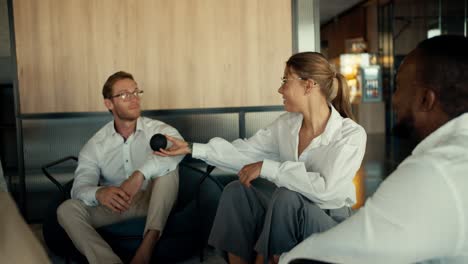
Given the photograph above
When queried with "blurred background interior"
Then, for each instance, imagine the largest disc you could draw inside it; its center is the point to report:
(55, 55)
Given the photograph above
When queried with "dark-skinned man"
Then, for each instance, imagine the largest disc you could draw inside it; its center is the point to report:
(420, 212)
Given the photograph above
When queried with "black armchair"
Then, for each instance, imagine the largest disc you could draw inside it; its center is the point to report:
(186, 232)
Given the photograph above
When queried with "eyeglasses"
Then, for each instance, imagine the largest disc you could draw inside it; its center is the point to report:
(284, 80)
(127, 96)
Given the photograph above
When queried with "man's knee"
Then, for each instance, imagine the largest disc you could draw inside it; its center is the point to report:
(168, 180)
(174, 173)
(70, 209)
(164, 192)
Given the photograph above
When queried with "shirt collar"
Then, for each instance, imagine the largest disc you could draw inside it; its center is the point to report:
(332, 129)
(458, 125)
(112, 128)
(139, 126)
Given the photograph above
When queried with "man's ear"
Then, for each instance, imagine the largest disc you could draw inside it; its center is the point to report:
(428, 100)
(108, 103)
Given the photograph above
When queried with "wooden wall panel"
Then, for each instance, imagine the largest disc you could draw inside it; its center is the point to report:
(183, 54)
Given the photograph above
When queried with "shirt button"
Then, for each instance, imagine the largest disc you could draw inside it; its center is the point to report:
(126, 160)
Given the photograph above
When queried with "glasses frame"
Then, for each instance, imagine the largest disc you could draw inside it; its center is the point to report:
(127, 96)
(284, 80)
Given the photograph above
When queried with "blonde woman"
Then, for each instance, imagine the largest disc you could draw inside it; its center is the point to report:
(311, 154)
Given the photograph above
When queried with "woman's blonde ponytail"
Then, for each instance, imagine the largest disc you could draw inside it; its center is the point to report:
(341, 102)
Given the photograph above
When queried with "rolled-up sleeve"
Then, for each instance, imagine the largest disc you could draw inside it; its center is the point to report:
(233, 156)
(87, 176)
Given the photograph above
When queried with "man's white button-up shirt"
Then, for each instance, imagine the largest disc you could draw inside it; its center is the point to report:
(107, 159)
(418, 214)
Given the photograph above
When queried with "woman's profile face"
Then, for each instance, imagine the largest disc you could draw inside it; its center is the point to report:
(292, 90)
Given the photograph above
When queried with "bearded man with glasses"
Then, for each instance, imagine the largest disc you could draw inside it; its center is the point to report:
(118, 177)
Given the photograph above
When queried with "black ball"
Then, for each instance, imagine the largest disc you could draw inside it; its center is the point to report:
(158, 141)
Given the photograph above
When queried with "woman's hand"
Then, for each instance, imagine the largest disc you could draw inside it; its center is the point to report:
(179, 147)
(249, 173)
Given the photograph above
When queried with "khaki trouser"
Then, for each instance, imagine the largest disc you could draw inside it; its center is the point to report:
(17, 242)
(80, 221)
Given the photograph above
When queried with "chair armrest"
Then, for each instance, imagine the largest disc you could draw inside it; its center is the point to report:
(209, 169)
(206, 174)
(45, 168)
(187, 165)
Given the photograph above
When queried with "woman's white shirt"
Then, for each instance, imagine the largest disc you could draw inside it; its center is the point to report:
(323, 172)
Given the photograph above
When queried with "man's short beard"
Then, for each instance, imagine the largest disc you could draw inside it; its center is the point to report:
(127, 117)
(405, 129)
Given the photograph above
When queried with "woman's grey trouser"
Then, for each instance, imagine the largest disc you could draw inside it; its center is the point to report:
(271, 222)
